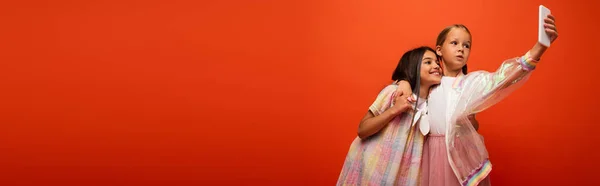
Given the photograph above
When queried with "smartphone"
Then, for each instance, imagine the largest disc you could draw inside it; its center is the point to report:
(542, 36)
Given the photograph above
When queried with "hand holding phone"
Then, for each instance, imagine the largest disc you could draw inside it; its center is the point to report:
(543, 36)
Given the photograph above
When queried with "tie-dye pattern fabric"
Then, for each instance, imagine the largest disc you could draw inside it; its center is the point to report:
(390, 157)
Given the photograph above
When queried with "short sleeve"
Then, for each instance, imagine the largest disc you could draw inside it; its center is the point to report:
(384, 100)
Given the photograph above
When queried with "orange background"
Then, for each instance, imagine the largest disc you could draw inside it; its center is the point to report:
(268, 92)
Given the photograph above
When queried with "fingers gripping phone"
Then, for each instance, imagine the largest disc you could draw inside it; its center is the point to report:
(543, 37)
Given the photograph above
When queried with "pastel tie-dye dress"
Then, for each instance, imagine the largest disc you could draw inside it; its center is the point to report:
(390, 157)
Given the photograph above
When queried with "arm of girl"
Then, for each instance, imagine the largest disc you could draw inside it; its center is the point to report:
(382, 112)
(486, 89)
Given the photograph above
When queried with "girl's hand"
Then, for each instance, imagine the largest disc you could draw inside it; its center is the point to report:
(402, 103)
(404, 89)
(551, 27)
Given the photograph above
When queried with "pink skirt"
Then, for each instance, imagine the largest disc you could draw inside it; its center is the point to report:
(435, 166)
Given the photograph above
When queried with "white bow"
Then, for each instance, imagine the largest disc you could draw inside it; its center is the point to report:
(422, 115)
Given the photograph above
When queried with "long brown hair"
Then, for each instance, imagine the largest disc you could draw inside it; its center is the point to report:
(409, 67)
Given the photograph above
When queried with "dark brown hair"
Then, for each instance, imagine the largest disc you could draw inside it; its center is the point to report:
(409, 67)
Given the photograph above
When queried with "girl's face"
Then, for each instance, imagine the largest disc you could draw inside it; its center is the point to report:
(456, 49)
(430, 70)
